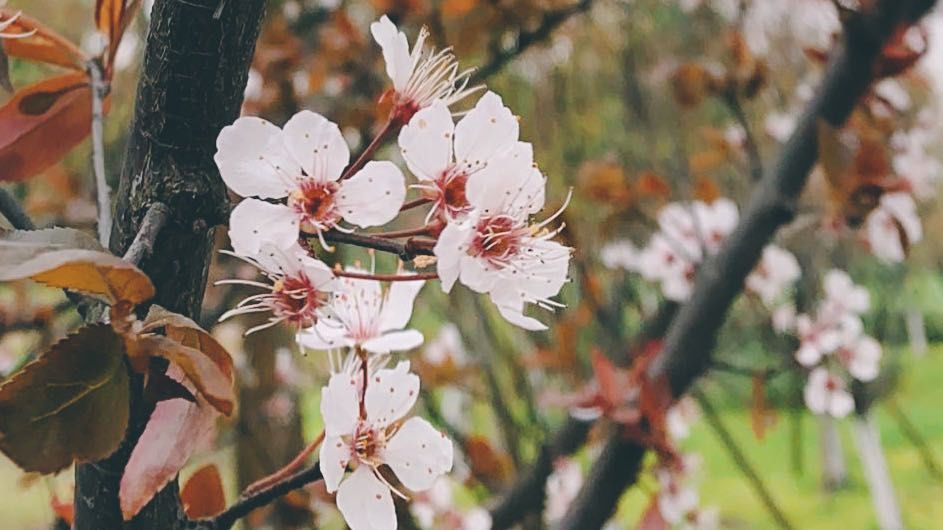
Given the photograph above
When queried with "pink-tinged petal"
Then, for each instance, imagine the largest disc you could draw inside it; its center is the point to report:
(510, 304)
(448, 250)
(254, 161)
(177, 428)
(398, 306)
(373, 196)
(254, 224)
(317, 144)
(365, 502)
(340, 405)
(426, 141)
(840, 403)
(399, 64)
(391, 393)
(334, 457)
(394, 341)
(418, 454)
(864, 364)
(485, 132)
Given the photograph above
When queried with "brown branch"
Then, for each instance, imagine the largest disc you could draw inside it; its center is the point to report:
(405, 251)
(143, 245)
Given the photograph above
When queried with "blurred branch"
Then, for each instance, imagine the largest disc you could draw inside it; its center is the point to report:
(14, 213)
(910, 431)
(525, 39)
(732, 101)
(692, 334)
(99, 91)
(143, 245)
(740, 459)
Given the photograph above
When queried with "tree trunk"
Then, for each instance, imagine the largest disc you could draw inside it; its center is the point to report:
(868, 440)
(834, 472)
(194, 75)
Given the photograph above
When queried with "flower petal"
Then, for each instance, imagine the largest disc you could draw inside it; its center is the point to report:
(418, 454)
(317, 144)
(398, 306)
(449, 250)
(510, 184)
(373, 196)
(510, 304)
(365, 502)
(426, 141)
(253, 160)
(254, 224)
(399, 64)
(340, 405)
(324, 336)
(486, 131)
(334, 457)
(391, 392)
(394, 341)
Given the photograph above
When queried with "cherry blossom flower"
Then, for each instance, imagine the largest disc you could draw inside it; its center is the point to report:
(681, 416)
(366, 428)
(620, 254)
(893, 226)
(826, 393)
(421, 76)
(914, 164)
(777, 270)
(861, 357)
(301, 163)
(562, 487)
(784, 318)
(444, 156)
(842, 295)
(779, 125)
(361, 314)
(819, 338)
(496, 250)
(298, 288)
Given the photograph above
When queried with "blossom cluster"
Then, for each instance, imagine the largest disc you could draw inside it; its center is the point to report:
(834, 346)
(688, 234)
(303, 191)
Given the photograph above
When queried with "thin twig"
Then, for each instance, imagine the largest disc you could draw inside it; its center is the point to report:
(750, 145)
(289, 468)
(143, 245)
(11, 209)
(390, 127)
(405, 251)
(409, 205)
(99, 91)
(387, 277)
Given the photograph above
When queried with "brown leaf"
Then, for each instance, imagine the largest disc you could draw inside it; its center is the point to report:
(112, 18)
(835, 156)
(203, 495)
(190, 334)
(59, 108)
(97, 274)
(176, 429)
(486, 461)
(691, 84)
(211, 379)
(69, 405)
(45, 45)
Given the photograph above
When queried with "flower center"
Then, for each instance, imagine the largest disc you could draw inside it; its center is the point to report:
(314, 202)
(449, 194)
(368, 443)
(296, 300)
(497, 239)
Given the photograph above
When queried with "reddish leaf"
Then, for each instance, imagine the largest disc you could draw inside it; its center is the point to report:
(203, 495)
(64, 510)
(190, 334)
(899, 55)
(69, 405)
(486, 461)
(45, 45)
(59, 108)
(607, 378)
(177, 428)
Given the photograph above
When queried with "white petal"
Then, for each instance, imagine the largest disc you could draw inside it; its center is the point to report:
(840, 403)
(511, 306)
(253, 160)
(426, 142)
(395, 48)
(340, 405)
(373, 196)
(394, 341)
(253, 224)
(391, 392)
(334, 456)
(477, 274)
(485, 132)
(317, 144)
(449, 250)
(365, 502)
(398, 306)
(418, 454)
(542, 267)
(324, 337)
(510, 184)
(808, 355)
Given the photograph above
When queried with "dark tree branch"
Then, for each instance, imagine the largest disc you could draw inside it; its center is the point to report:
(143, 245)
(405, 251)
(11, 209)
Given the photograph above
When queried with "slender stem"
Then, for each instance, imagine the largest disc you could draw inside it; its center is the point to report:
(286, 471)
(143, 245)
(752, 148)
(99, 91)
(389, 127)
(405, 251)
(387, 277)
(11, 209)
(409, 205)
(408, 232)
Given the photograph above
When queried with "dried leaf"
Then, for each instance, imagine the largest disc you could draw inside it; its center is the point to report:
(607, 378)
(691, 84)
(97, 274)
(44, 45)
(190, 334)
(485, 460)
(69, 405)
(59, 108)
(835, 156)
(212, 380)
(177, 428)
(203, 495)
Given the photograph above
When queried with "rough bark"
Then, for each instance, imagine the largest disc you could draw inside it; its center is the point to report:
(194, 74)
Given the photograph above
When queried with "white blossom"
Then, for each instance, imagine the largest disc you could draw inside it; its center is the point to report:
(302, 163)
(893, 226)
(777, 271)
(826, 393)
(620, 254)
(562, 487)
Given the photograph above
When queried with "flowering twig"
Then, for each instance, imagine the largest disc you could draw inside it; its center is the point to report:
(288, 469)
(408, 232)
(154, 220)
(405, 251)
(99, 91)
(387, 277)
